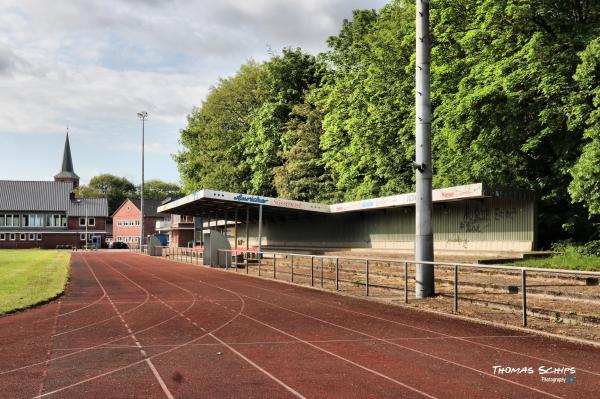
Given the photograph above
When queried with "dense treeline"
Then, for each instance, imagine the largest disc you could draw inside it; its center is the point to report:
(515, 95)
(116, 189)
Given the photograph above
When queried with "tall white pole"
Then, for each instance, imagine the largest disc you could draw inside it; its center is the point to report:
(424, 208)
(87, 221)
(142, 115)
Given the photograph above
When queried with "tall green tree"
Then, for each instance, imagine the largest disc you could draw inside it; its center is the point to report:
(213, 153)
(368, 102)
(161, 190)
(282, 84)
(302, 175)
(585, 187)
(115, 188)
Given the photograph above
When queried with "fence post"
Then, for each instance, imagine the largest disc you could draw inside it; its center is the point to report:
(312, 271)
(337, 274)
(292, 264)
(405, 282)
(455, 288)
(524, 297)
(274, 267)
(321, 272)
(367, 277)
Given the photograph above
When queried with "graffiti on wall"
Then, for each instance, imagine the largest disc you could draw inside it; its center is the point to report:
(478, 220)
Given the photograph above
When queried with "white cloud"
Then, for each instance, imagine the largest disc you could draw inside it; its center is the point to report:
(93, 64)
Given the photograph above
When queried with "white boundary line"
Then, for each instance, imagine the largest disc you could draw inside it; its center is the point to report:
(298, 339)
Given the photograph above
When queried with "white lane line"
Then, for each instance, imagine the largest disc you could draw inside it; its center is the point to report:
(271, 376)
(395, 344)
(343, 358)
(405, 347)
(161, 382)
(294, 337)
(465, 339)
(265, 372)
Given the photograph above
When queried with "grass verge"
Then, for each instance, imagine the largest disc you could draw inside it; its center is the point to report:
(569, 259)
(29, 277)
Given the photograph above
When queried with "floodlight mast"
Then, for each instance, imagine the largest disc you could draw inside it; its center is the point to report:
(424, 274)
(143, 116)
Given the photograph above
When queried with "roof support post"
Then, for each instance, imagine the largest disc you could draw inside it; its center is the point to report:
(235, 216)
(260, 221)
(247, 223)
(202, 231)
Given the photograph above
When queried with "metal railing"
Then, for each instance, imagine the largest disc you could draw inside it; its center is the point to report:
(329, 269)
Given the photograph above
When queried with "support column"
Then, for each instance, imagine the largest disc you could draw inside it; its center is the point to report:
(260, 221)
(247, 223)
(423, 210)
(235, 216)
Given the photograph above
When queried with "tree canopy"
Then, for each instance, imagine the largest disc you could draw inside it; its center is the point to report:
(116, 189)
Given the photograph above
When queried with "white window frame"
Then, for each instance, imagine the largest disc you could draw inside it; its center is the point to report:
(81, 236)
(38, 236)
(22, 237)
(91, 221)
(2, 236)
(31, 237)
(84, 221)
(13, 236)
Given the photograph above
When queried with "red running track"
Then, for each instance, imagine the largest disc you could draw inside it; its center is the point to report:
(134, 326)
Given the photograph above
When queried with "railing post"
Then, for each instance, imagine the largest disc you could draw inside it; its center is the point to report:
(322, 272)
(405, 282)
(274, 266)
(312, 271)
(524, 297)
(367, 277)
(455, 288)
(337, 274)
(292, 265)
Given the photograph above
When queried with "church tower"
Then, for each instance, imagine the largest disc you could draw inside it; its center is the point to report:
(67, 174)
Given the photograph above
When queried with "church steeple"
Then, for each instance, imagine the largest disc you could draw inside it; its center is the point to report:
(67, 174)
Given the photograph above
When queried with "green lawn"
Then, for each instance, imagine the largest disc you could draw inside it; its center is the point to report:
(570, 259)
(28, 277)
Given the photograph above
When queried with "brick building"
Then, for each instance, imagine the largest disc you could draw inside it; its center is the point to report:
(126, 220)
(46, 214)
(179, 229)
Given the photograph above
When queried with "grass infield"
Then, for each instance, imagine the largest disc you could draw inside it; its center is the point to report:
(29, 277)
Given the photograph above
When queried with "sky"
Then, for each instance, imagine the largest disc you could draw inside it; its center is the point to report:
(93, 65)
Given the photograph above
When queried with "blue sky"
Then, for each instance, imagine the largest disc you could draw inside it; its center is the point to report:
(92, 65)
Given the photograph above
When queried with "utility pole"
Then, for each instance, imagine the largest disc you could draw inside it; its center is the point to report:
(143, 116)
(424, 274)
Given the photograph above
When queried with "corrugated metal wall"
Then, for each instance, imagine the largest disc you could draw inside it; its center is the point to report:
(485, 220)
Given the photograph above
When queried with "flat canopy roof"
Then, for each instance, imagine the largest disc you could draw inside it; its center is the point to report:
(206, 202)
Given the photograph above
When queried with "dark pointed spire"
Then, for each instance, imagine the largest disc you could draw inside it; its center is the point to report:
(66, 172)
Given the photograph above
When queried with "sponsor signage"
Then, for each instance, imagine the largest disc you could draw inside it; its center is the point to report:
(444, 194)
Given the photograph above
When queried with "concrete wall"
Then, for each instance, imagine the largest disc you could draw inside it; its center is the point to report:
(496, 224)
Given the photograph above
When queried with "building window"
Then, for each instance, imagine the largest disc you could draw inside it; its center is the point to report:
(82, 236)
(91, 221)
(2, 220)
(31, 237)
(22, 237)
(12, 236)
(82, 221)
(2, 236)
(39, 236)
